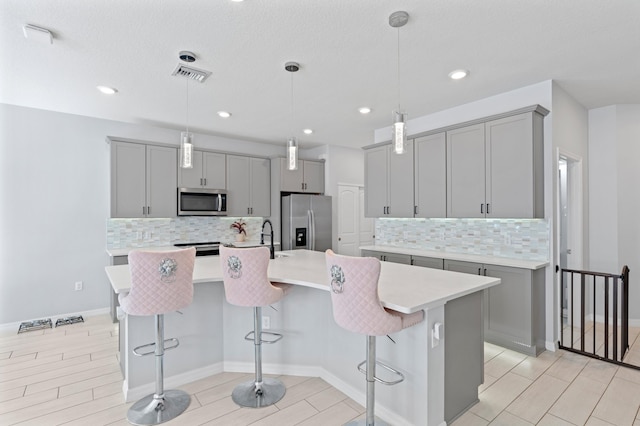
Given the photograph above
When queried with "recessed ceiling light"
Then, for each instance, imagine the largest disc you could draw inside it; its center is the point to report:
(364, 110)
(107, 90)
(307, 131)
(224, 114)
(458, 74)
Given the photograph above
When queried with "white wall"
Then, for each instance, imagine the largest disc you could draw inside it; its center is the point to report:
(614, 135)
(539, 93)
(54, 189)
(569, 135)
(603, 200)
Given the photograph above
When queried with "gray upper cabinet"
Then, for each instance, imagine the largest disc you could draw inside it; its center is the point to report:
(430, 176)
(389, 182)
(514, 165)
(309, 177)
(248, 186)
(143, 180)
(495, 169)
(208, 171)
(466, 172)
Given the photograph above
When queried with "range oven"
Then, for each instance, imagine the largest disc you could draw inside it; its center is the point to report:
(211, 248)
(202, 202)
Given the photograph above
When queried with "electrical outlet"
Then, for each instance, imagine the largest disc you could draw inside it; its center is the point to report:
(78, 285)
(147, 235)
(266, 322)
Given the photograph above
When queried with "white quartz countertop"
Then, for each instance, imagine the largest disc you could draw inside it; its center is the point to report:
(403, 288)
(491, 260)
(125, 251)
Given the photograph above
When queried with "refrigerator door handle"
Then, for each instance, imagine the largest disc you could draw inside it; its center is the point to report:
(311, 244)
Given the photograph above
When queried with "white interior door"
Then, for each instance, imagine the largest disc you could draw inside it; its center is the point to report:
(354, 229)
(570, 228)
(348, 228)
(365, 224)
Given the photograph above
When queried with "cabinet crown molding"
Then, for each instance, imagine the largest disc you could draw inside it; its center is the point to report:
(531, 108)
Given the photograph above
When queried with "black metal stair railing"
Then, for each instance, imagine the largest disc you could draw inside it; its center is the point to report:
(614, 299)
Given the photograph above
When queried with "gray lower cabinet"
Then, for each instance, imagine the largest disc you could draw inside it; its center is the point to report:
(405, 259)
(427, 262)
(514, 310)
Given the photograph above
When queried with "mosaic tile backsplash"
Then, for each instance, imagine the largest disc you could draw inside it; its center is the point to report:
(124, 233)
(513, 238)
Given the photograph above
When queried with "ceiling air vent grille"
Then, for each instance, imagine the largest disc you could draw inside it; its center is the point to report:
(191, 72)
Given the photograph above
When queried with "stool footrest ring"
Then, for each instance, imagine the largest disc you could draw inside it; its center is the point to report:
(252, 333)
(386, 367)
(175, 343)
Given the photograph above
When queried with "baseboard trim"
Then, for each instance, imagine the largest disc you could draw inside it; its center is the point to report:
(134, 394)
(357, 395)
(14, 326)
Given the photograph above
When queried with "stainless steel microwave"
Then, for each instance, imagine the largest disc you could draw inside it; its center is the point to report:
(202, 202)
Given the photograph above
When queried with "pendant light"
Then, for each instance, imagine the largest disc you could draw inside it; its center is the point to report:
(399, 130)
(186, 137)
(292, 143)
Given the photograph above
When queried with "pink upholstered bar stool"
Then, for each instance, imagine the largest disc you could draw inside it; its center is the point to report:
(357, 308)
(161, 282)
(246, 283)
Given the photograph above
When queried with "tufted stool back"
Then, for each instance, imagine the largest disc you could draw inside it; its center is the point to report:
(354, 295)
(244, 272)
(161, 281)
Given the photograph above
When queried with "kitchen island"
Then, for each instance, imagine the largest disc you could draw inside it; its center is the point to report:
(211, 334)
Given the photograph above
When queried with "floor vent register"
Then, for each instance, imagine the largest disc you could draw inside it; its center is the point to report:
(34, 325)
(46, 323)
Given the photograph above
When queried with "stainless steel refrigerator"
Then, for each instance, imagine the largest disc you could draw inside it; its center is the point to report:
(306, 222)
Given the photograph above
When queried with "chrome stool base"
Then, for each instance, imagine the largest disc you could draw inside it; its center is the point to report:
(363, 422)
(249, 394)
(152, 411)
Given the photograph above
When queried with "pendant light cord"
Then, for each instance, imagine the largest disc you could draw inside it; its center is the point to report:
(398, 69)
(187, 105)
(292, 118)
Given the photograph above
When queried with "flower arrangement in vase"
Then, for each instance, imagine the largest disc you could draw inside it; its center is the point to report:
(240, 226)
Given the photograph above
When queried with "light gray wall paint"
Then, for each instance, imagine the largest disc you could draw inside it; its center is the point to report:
(54, 188)
(614, 133)
(569, 127)
(539, 93)
(603, 200)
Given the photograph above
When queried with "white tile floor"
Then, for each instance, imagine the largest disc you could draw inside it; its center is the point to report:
(70, 376)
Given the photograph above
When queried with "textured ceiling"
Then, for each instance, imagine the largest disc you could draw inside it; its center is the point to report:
(346, 49)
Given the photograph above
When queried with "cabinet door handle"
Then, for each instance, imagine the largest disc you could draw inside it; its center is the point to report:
(479, 271)
(205, 181)
(247, 210)
(488, 212)
(148, 210)
(482, 208)
(485, 272)
(415, 209)
(251, 210)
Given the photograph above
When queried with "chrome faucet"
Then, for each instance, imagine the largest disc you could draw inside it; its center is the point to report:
(272, 248)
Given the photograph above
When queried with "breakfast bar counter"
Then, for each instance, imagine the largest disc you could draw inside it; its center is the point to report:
(442, 374)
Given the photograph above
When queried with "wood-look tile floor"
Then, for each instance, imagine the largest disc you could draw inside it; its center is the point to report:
(70, 376)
